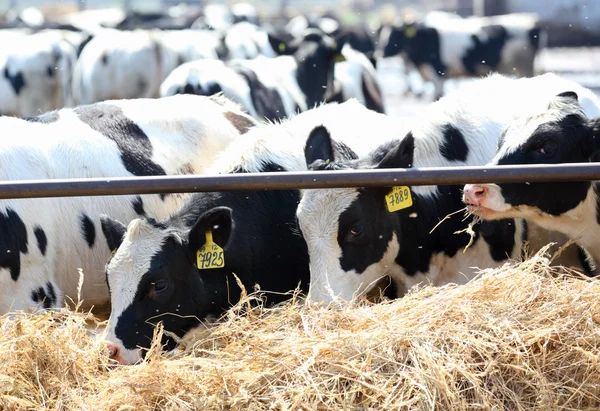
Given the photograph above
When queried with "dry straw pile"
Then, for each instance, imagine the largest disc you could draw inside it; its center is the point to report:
(519, 338)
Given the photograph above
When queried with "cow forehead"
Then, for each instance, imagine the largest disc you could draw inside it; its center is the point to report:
(522, 129)
(134, 256)
(319, 210)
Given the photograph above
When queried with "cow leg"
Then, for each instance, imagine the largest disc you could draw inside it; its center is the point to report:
(429, 74)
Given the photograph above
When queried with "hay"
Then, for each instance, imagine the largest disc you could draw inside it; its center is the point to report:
(519, 338)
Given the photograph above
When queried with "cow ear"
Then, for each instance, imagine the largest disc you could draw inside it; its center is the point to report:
(113, 230)
(218, 221)
(569, 94)
(318, 146)
(400, 155)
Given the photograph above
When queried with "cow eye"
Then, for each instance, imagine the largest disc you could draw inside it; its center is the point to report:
(158, 287)
(356, 229)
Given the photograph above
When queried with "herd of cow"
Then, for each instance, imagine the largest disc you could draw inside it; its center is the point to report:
(173, 258)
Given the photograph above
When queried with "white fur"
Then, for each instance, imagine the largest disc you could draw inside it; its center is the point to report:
(186, 132)
(348, 74)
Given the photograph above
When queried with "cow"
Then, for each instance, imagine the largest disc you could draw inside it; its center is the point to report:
(36, 73)
(356, 78)
(155, 270)
(45, 241)
(564, 130)
(245, 40)
(267, 88)
(453, 48)
(355, 236)
(127, 65)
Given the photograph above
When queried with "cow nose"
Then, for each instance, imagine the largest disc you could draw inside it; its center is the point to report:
(474, 194)
(115, 354)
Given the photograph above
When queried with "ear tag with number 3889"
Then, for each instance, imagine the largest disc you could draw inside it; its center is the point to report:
(210, 255)
(398, 199)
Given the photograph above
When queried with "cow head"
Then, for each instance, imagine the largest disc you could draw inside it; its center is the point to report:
(315, 54)
(349, 232)
(561, 133)
(153, 277)
(393, 39)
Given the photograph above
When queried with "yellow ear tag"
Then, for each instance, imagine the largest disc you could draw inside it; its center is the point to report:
(398, 199)
(339, 58)
(281, 47)
(112, 253)
(410, 32)
(210, 255)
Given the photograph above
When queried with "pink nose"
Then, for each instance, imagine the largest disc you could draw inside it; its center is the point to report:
(115, 354)
(474, 194)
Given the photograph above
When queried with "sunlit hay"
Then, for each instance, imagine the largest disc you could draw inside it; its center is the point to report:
(523, 337)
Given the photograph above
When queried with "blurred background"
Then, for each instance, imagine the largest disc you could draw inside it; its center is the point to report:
(571, 43)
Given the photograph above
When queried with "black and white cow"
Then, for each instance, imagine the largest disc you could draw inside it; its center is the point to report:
(356, 77)
(45, 241)
(133, 64)
(450, 48)
(564, 130)
(245, 40)
(271, 88)
(36, 72)
(154, 272)
(353, 240)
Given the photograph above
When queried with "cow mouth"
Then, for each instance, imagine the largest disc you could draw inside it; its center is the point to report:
(483, 212)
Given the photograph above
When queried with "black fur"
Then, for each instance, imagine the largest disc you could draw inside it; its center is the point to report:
(134, 145)
(113, 231)
(454, 147)
(87, 229)
(372, 92)
(13, 242)
(138, 206)
(486, 49)
(266, 101)
(41, 238)
(17, 81)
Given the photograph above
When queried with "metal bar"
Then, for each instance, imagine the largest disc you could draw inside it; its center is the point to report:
(298, 180)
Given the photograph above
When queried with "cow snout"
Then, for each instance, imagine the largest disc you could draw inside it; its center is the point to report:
(114, 353)
(474, 194)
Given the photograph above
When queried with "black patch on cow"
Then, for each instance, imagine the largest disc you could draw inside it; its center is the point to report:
(49, 71)
(17, 81)
(46, 118)
(486, 49)
(568, 140)
(87, 229)
(454, 147)
(13, 242)
(113, 231)
(41, 238)
(266, 101)
(241, 123)
(372, 92)
(138, 206)
(83, 44)
(587, 262)
(534, 37)
(46, 296)
(500, 237)
(134, 145)
(188, 89)
(104, 58)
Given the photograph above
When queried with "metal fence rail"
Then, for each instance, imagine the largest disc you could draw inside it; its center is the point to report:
(297, 180)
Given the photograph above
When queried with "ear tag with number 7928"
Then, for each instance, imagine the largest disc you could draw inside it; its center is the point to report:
(210, 255)
(399, 198)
